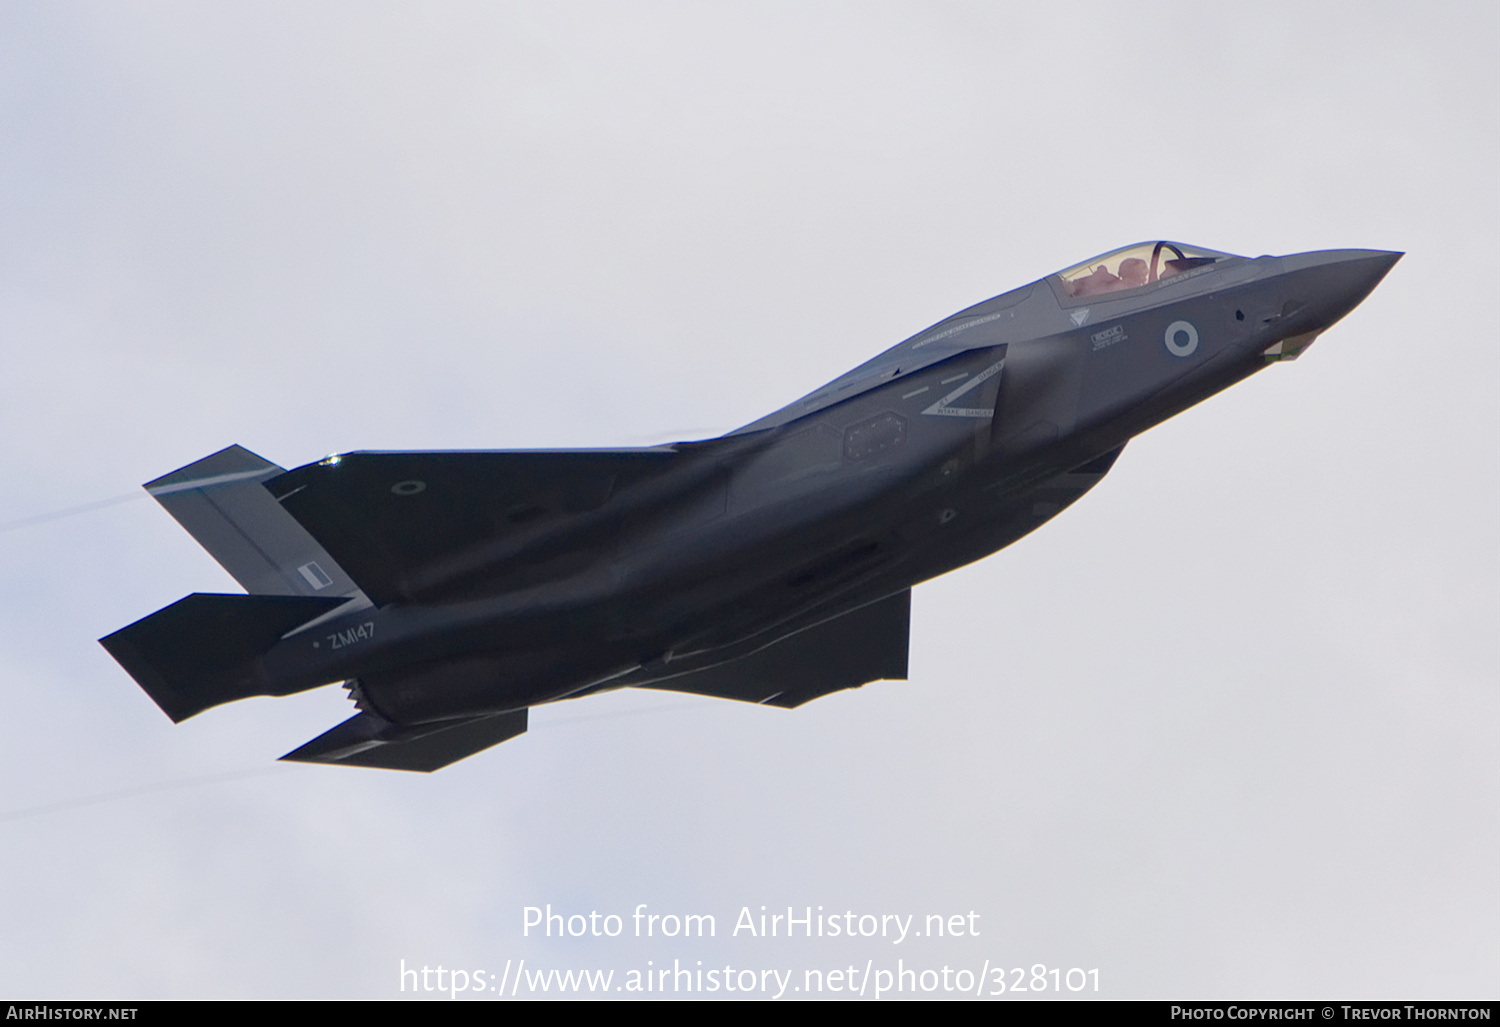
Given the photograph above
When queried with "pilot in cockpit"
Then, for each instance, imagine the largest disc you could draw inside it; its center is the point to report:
(1133, 273)
(1099, 280)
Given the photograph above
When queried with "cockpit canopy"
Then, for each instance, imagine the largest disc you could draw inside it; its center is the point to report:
(1135, 267)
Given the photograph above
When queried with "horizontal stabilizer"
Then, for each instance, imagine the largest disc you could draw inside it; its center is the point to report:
(869, 644)
(222, 503)
(204, 649)
(361, 741)
(390, 519)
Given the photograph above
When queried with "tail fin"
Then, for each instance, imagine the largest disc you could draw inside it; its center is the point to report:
(204, 650)
(222, 503)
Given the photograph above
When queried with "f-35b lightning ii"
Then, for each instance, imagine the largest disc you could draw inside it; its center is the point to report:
(450, 591)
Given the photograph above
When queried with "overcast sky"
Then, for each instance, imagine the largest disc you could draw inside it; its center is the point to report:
(1225, 729)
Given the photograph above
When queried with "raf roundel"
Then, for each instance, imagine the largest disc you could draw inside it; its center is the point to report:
(1181, 339)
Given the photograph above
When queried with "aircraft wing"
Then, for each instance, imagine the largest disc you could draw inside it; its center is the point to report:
(869, 644)
(401, 524)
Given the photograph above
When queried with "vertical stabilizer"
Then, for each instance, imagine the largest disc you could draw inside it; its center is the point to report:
(222, 503)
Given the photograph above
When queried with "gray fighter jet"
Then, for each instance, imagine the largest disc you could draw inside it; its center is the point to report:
(451, 591)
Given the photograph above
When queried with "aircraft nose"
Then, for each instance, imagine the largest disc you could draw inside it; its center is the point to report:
(1355, 273)
(1333, 282)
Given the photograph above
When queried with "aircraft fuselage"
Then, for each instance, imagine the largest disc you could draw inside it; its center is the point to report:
(456, 590)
